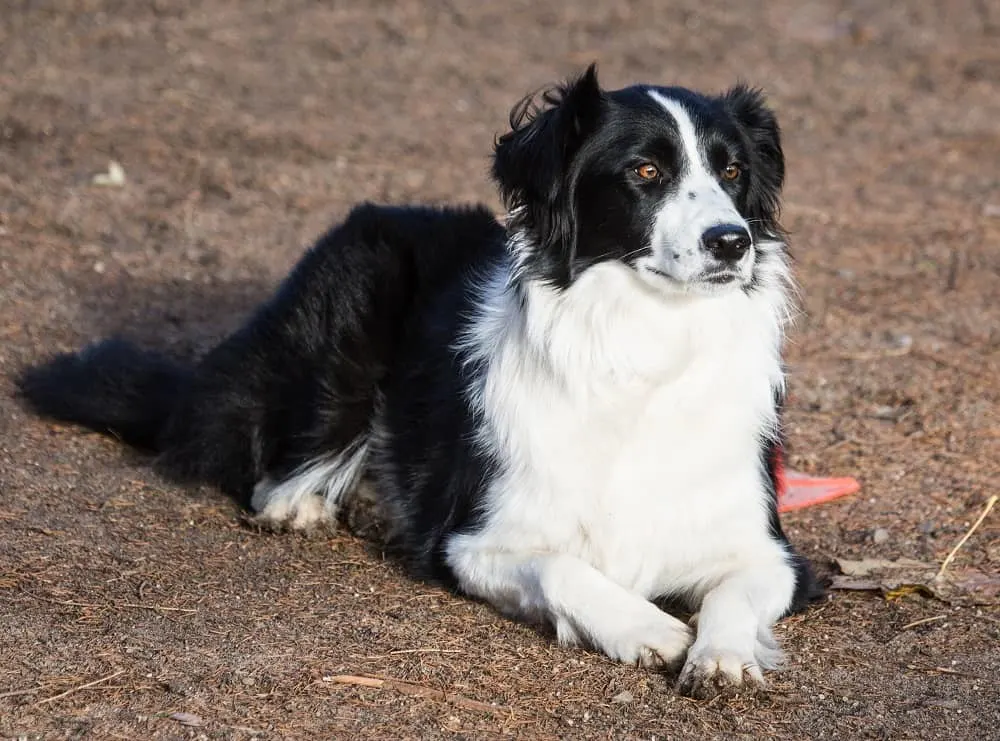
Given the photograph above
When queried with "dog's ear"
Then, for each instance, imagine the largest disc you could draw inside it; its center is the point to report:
(532, 168)
(759, 124)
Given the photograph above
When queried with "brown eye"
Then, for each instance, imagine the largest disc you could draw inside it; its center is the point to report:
(648, 171)
(731, 172)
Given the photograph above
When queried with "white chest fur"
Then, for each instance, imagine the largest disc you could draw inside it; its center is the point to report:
(627, 425)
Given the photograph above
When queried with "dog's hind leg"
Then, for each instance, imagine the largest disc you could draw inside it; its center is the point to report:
(279, 414)
(313, 493)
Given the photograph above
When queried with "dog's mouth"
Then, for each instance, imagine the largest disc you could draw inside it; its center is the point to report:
(714, 278)
(720, 277)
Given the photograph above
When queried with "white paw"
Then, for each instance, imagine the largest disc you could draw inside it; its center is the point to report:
(304, 515)
(710, 671)
(655, 640)
(279, 508)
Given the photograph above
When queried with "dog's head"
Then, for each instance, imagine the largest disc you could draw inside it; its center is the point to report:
(682, 187)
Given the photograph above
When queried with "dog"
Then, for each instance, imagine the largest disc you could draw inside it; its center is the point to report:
(572, 415)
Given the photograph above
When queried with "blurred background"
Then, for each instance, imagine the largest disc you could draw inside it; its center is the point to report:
(163, 163)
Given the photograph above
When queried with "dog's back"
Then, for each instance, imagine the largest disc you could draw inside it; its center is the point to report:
(267, 404)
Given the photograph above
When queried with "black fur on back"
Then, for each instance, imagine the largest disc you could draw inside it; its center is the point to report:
(303, 377)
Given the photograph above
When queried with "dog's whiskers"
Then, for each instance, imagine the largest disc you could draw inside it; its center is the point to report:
(625, 256)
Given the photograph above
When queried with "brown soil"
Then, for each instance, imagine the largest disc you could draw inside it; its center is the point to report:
(245, 127)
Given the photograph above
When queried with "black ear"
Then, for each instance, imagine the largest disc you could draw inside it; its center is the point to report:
(759, 124)
(532, 168)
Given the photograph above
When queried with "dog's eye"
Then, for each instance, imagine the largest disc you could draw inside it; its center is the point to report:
(731, 171)
(647, 171)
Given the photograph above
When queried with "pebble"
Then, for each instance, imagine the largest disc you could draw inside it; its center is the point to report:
(880, 536)
(114, 177)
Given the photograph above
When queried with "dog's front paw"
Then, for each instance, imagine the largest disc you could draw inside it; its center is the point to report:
(655, 641)
(709, 672)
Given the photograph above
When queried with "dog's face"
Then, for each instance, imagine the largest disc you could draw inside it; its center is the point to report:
(681, 187)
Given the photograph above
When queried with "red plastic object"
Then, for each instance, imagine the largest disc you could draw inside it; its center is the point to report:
(797, 490)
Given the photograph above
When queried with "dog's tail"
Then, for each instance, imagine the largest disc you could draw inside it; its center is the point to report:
(112, 387)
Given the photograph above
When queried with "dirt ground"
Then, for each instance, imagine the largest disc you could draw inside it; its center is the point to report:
(244, 127)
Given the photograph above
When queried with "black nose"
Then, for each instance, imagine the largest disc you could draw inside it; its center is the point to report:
(726, 242)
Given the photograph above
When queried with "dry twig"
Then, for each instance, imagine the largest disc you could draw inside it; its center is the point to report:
(948, 559)
(113, 605)
(71, 690)
(403, 651)
(417, 690)
(923, 621)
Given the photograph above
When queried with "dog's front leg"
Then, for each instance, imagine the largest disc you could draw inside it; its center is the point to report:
(581, 603)
(734, 641)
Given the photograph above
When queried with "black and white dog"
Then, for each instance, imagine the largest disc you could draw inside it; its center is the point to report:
(571, 416)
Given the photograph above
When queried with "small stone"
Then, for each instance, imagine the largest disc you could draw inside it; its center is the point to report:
(898, 340)
(187, 719)
(623, 698)
(114, 177)
(880, 536)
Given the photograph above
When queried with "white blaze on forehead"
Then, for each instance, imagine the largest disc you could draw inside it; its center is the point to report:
(695, 205)
(686, 131)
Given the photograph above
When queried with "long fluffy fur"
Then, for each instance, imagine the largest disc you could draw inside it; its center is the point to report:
(571, 416)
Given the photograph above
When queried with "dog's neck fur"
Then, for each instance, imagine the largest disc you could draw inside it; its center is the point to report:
(611, 325)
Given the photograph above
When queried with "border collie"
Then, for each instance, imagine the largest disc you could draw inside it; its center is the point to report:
(573, 415)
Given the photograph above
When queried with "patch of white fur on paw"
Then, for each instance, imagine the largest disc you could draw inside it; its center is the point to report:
(566, 634)
(303, 514)
(709, 672)
(280, 507)
(656, 641)
(312, 494)
(767, 652)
